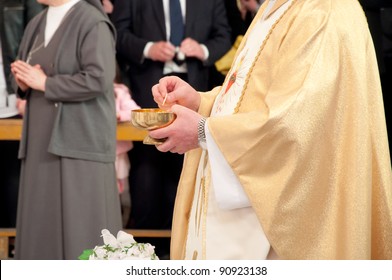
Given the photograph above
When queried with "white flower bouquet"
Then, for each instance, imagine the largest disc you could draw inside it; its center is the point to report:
(124, 247)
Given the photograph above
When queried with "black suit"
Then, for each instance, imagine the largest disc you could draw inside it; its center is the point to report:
(141, 21)
(154, 175)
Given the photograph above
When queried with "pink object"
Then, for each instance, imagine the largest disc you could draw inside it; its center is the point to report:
(124, 105)
(21, 105)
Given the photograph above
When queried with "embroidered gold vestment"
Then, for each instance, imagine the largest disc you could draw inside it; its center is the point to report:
(308, 138)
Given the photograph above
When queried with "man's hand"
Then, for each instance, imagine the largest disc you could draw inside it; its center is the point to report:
(162, 51)
(250, 5)
(107, 6)
(192, 48)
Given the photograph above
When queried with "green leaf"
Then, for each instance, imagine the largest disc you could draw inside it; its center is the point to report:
(86, 254)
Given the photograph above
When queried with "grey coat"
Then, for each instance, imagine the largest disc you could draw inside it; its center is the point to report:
(81, 88)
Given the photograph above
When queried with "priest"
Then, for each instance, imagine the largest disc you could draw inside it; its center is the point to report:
(289, 158)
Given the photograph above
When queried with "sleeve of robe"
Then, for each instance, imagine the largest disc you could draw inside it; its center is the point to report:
(97, 69)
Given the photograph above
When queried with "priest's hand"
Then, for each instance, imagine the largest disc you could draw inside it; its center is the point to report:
(181, 134)
(173, 90)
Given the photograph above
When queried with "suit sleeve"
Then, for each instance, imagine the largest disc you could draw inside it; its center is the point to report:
(129, 46)
(219, 39)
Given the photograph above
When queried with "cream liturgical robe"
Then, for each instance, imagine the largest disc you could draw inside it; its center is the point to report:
(306, 138)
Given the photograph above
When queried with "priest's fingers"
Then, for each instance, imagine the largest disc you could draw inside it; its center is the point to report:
(162, 133)
(160, 97)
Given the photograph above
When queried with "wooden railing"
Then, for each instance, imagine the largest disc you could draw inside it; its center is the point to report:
(7, 233)
(11, 129)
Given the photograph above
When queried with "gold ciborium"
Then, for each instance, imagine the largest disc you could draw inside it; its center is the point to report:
(150, 119)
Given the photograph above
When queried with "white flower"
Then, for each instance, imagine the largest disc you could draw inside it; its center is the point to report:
(124, 247)
(99, 253)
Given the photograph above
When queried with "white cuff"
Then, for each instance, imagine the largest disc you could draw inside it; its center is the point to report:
(147, 49)
(206, 52)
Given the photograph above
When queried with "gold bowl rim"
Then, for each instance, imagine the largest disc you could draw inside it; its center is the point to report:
(151, 110)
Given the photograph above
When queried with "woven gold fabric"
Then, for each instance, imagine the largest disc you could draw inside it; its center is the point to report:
(309, 141)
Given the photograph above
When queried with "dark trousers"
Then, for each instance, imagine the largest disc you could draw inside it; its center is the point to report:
(153, 183)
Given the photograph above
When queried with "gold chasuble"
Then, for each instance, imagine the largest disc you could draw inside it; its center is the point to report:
(306, 138)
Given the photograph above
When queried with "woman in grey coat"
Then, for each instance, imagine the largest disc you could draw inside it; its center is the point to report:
(68, 191)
